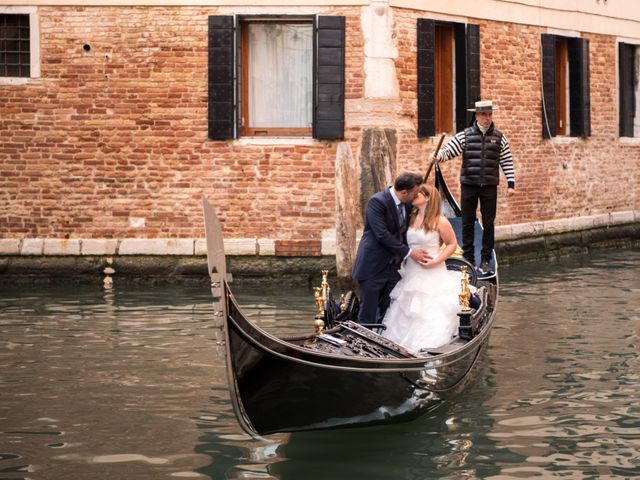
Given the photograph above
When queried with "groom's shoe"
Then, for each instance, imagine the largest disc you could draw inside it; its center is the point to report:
(485, 268)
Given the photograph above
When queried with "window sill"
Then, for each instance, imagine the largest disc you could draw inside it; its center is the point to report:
(20, 81)
(629, 140)
(274, 141)
(566, 140)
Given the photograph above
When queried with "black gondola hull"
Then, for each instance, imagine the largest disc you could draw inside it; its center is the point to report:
(288, 385)
(284, 387)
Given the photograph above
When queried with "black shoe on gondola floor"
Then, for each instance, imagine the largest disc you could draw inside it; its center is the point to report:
(485, 268)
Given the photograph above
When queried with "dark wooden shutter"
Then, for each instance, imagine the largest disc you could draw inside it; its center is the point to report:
(469, 52)
(579, 91)
(426, 78)
(626, 66)
(222, 108)
(328, 109)
(548, 85)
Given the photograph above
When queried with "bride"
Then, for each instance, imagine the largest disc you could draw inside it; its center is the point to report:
(424, 303)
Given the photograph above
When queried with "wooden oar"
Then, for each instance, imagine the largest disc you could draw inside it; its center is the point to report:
(434, 161)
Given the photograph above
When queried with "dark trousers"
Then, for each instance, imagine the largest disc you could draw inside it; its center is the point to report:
(374, 295)
(469, 197)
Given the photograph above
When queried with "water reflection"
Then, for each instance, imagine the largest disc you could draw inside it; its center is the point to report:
(130, 383)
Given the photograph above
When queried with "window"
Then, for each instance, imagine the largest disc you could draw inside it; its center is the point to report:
(448, 75)
(15, 46)
(629, 97)
(277, 58)
(566, 105)
(276, 77)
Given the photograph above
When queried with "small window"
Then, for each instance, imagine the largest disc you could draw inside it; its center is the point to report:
(15, 46)
(566, 105)
(629, 89)
(277, 78)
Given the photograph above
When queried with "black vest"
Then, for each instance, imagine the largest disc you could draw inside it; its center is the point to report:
(481, 157)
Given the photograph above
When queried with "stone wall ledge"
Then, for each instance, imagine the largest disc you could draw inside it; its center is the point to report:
(564, 225)
(130, 246)
(260, 268)
(266, 247)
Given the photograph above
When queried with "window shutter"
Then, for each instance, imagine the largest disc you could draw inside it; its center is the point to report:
(579, 95)
(426, 78)
(467, 61)
(626, 61)
(222, 108)
(548, 85)
(328, 108)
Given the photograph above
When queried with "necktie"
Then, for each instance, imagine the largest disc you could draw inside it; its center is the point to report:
(401, 215)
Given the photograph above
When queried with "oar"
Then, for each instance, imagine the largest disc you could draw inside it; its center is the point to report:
(435, 159)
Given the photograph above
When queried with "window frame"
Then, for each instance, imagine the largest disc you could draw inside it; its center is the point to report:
(243, 88)
(577, 82)
(466, 76)
(34, 44)
(223, 77)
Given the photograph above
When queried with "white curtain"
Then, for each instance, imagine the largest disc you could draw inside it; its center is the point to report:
(280, 75)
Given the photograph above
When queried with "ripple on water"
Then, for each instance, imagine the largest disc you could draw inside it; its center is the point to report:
(131, 383)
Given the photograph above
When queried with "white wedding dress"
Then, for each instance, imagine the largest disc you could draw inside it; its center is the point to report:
(424, 303)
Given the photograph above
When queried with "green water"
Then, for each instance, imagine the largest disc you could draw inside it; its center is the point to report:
(130, 384)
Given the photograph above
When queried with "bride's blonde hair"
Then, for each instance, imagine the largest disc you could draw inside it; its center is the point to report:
(432, 211)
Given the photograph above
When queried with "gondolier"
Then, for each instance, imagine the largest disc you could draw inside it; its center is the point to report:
(484, 150)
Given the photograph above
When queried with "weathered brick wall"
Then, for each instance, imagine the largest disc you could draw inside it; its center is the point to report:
(119, 133)
(555, 179)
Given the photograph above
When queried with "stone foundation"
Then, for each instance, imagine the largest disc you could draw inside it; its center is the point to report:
(513, 245)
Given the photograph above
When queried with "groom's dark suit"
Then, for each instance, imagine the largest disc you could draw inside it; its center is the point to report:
(382, 248)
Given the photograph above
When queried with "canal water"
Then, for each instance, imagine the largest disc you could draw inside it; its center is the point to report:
(130, 384)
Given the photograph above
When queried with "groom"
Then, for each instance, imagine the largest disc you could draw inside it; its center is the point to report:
(384, 246)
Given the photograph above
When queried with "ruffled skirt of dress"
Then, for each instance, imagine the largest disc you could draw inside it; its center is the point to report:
(424, 307)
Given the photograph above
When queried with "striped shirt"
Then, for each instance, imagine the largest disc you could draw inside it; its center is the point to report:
(457, 144)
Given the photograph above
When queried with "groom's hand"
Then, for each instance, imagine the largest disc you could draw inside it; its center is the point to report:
(420, 256)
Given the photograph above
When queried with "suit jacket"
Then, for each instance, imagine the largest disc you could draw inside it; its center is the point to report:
(383, 243)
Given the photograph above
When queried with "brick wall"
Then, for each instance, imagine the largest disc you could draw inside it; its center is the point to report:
(118, 134)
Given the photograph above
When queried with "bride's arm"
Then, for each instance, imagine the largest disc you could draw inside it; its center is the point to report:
(448, 237)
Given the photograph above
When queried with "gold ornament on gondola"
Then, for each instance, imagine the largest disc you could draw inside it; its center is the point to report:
(465, 294)
(320, 297)
(318, 324)
(317, 294)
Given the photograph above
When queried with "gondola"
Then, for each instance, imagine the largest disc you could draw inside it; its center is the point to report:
(346, 375)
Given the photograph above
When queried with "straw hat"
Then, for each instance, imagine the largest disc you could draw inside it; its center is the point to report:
(483, 106)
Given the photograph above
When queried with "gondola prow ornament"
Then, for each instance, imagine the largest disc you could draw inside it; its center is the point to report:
(465, 331)
(321, 294)
(318, 322)
(465, 293)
